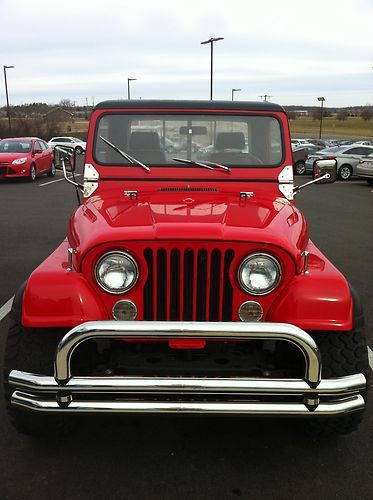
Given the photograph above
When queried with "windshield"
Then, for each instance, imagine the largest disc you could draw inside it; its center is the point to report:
(236, 141)
(15, 146)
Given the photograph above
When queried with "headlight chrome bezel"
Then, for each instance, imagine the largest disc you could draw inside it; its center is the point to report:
(276, 282)
(122, 254)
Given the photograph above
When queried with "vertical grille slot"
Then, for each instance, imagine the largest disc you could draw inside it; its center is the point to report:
(227, 288)
(149, 287)
(188, 284)
(201, 285)
(215, 286)
(175, 285)
(161, 285)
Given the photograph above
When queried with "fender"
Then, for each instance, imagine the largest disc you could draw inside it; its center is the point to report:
(57, 297)
(320, 299)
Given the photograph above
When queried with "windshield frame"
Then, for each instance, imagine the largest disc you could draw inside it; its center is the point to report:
(183, 113)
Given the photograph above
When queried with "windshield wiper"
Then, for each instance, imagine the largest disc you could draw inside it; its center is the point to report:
(205, 164)
(129, 158)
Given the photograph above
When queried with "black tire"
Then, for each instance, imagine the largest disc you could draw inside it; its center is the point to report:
(370, 181)
(52, 171)
(32, 175)
(343, 353)
(78, 150)
(345, 172)
(300, 168)
(32, 351)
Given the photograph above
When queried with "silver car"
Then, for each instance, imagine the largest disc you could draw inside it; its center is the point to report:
(365, 169)
(72, 142)
(347, 158)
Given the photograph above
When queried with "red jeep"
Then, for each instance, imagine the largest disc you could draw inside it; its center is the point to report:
(187, 282)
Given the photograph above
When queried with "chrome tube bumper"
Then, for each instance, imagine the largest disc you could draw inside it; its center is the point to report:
(67, 394)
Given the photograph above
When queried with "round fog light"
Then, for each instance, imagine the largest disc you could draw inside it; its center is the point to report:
(124, 310)
(250, 311)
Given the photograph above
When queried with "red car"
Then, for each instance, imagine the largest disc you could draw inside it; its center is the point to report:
(187, 285)
(25, 157)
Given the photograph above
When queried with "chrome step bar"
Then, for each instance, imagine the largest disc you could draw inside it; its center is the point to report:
(189, 407)
(61, 393)
(39, 383)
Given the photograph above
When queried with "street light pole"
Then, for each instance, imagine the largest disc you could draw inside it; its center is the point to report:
(211, 42)
(321, 99)
(7, 98)
(128, 87)
(233, 91)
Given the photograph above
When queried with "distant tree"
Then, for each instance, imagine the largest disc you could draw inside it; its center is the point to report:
(342, 115)
(292, 115)
(30, 127)
(316, 113)
(367, 113)
(66, 104)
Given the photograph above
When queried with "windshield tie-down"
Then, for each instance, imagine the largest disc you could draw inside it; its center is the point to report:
(205, 164)
(128, 157)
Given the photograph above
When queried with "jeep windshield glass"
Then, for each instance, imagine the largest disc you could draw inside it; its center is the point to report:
(156, 139)
(124, 155)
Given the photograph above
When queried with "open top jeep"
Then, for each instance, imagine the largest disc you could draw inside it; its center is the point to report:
(187, 282)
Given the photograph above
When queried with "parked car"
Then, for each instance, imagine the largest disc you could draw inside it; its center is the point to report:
(347, 158)
(72, 142)
(321, 143)
(25, 157)
(365, 169)
(300, 155)
(169, 145)
(299, 142)
(187, 287)
(363, 143)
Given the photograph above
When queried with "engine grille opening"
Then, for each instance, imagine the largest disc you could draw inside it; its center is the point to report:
(188, 284)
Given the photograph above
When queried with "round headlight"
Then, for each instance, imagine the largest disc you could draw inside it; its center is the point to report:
(116, 272)
(259, 274)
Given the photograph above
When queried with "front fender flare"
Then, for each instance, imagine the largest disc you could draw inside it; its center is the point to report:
(56, 297)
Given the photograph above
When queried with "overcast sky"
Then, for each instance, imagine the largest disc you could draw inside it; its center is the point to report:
(291, 50)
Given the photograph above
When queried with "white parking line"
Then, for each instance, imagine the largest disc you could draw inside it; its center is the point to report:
(5, 309)
(57, 180)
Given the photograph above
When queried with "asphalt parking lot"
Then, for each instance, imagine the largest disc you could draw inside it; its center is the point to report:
(179, 457)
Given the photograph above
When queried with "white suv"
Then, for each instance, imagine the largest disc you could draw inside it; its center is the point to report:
(72, 142)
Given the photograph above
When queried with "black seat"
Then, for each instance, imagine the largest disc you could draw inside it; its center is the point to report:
(230, 148)
(230, 140)
(146, 147)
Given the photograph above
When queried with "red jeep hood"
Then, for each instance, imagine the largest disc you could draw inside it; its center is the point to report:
(188, 216)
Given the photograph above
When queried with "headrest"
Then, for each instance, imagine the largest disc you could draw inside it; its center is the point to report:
(230, 140)
(145, 141)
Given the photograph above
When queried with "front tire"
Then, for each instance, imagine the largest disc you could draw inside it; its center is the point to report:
(78, 150)
(32, 351)
(32, 175)
(370, 181)
(342, 353)
(345, 172)
(52, 171)
(300, 168)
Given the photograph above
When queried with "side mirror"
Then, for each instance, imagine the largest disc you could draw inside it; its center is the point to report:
(37, 151)
(67, 154)
(327, 168)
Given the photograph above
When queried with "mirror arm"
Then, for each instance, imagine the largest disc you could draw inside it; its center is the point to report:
(298, 188)
(74, 183)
